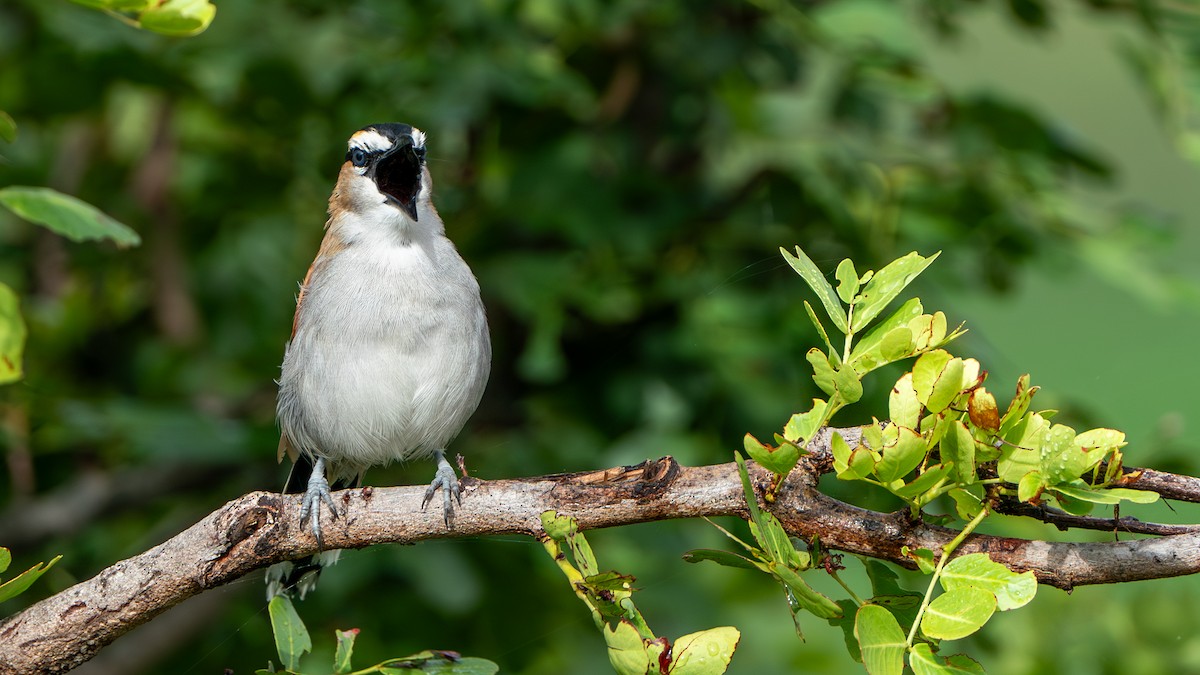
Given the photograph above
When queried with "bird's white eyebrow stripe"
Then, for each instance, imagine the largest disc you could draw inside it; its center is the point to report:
(373, 141)
(369, 140)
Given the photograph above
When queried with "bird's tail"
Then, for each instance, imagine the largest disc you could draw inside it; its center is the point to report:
(300, 576)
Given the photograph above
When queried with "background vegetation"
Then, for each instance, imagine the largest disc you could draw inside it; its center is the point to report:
(620, 176)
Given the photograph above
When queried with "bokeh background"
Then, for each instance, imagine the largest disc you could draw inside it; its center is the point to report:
(620, 176)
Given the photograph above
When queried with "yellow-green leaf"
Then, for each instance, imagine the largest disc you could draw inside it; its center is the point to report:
(72, 218)
(12, 336)
(880, 639)
(179, 18)
(705, 653)
(977, 570)
(291, 637)
(626, 651)
(816, 281)
(8, 127)
(958, 613)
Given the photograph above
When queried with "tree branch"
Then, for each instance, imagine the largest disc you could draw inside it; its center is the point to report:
(262, 528)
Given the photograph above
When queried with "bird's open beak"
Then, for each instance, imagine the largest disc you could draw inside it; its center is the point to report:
(398, 175)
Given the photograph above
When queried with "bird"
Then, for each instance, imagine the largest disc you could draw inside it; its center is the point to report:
(390, 352)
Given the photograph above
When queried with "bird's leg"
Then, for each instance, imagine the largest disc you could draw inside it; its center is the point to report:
(448, 481)
(317, 492)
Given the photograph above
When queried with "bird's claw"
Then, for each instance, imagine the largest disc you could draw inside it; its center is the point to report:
(310, 505)
(445, 479)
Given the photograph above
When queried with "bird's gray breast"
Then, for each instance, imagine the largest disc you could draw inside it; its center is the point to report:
(390, 355)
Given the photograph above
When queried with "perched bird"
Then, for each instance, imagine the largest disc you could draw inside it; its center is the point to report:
(389, 353)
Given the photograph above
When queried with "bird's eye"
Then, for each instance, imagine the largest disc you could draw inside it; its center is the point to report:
(357, 157)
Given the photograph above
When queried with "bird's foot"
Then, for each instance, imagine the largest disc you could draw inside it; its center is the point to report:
(445, 479)
(317, 492)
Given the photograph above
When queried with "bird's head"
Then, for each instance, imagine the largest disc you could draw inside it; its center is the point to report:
(385, 167)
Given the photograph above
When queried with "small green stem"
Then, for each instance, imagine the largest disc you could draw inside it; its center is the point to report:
(940, 488)
(937, 572)
(849, 335)
(574, 577)
(853, 596)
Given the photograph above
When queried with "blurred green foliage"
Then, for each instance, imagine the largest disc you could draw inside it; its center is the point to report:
(619, 175)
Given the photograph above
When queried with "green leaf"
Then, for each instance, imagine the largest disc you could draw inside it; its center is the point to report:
(922, 556)
(345, 649)
(880, 639)
(726, 558)
(900, 458)
(1083, 492)
(5, 559)
(1105, 439)
(926, 372)
(1062, 460)
(433, 662)
(903, 406)
(1030, 487)
(626, 651)
(808, 598)
(958, 613)
(801, 427)
(12, 336)
(958, 448)
(886, 285)
(816, 281)
(946, 387)
(179, 18)
(778, 460)
(1021, 452)
(823, 373)
(558, 527)
(841, 452)
(1018, 406)
(966, 504)
(66, 215)
(846, 623)
(812, 316)
(861, 465)
(884, 580)
(756, 515)
(705, 653)
(291, 637)
(8, 127)
(904, 606)
(923, 662)
(467, 665)
(872, 342)
(847, 281)
(18, 584)
(926, 481)
(847, 383)
(772, 538)
(977, 570)
(929, 331)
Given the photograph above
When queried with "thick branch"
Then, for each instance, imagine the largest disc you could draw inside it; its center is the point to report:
(261, 528)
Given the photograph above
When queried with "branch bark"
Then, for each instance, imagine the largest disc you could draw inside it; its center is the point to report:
(262, 528)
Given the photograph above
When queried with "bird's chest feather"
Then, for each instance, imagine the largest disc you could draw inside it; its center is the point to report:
(386, 340)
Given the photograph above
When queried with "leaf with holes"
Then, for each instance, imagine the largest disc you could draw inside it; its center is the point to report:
(886, 285)
(816, 281)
